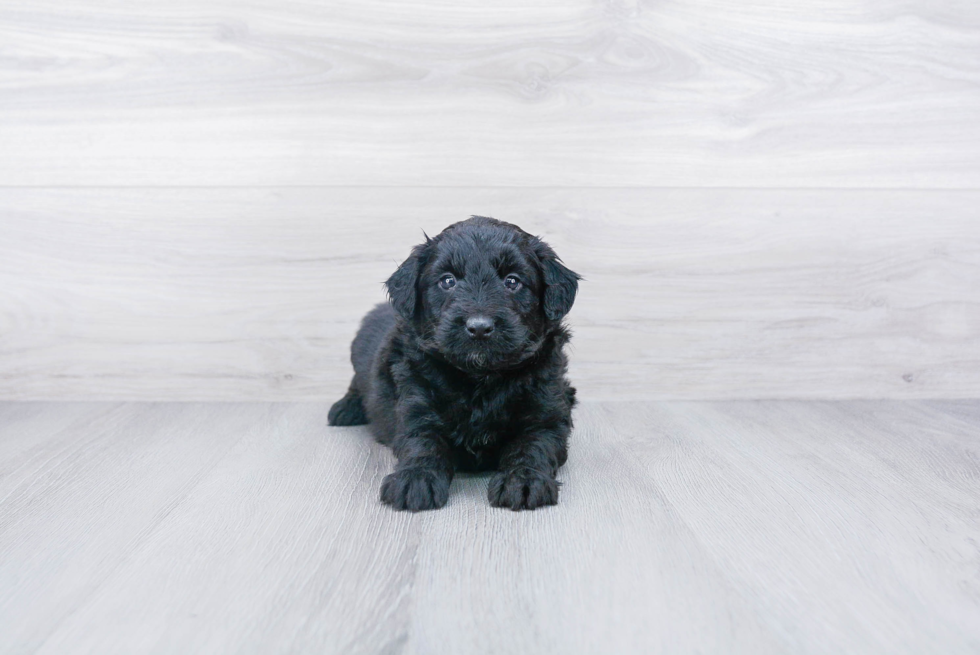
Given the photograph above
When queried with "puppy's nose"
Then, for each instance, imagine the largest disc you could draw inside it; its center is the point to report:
(479, 327)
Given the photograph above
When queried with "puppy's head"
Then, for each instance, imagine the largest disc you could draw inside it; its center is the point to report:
(483, 294)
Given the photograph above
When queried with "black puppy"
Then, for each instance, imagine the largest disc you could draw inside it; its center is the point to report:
(465, 370)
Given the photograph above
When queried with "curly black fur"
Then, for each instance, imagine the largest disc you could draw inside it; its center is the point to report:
(470, 375)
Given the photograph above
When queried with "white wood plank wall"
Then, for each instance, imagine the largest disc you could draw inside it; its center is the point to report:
(198, 200)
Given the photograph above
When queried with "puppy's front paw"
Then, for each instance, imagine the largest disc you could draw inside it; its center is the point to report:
(415, 489)
(523, 489)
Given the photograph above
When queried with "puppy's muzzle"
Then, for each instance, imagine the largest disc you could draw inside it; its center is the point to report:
(479, 327)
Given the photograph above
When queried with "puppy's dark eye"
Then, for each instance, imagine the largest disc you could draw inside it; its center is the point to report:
(512, 282)
(447, 282)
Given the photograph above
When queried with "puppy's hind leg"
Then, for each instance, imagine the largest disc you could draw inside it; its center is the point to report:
(349, 410)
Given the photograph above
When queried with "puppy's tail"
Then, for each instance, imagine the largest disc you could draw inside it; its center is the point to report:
(349, 410)
(570, 396)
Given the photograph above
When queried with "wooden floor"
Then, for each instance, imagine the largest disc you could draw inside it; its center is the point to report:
(719, 527)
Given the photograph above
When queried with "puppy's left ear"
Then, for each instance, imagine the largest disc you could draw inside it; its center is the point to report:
(403, 283)
(561, 284)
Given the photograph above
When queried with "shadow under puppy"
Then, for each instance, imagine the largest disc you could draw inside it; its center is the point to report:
(464, 370)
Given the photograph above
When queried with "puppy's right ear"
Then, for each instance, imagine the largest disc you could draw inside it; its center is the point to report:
(403, 284)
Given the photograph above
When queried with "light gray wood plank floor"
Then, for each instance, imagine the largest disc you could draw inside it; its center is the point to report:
(724, 527)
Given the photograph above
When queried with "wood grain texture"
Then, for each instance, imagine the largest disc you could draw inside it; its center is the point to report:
(82, 498)
(726, 527)
(826, 93)
(231, 294)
